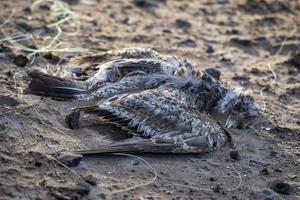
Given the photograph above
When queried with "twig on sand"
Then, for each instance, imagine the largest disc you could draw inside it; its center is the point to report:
(62, 14)
(209, 189)
(239, 176)
(146, 165)
(65, 166)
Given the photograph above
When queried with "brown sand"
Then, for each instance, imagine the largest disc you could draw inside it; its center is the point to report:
(248, 42)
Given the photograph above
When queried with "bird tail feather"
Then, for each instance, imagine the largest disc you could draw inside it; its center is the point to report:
(42, 84)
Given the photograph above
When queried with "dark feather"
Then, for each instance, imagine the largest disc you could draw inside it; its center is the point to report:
(50, 86)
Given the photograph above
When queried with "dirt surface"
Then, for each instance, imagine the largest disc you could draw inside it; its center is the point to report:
(254, 44)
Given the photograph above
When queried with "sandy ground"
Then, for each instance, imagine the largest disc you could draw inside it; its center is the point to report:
(250, 42)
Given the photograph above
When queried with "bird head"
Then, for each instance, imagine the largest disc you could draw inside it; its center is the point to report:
(238, 108)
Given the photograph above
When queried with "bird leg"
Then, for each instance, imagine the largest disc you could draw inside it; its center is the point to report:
(72, 119)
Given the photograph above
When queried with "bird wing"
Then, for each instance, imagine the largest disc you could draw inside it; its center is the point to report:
(116, 70)
(161, 116)
(130, 84)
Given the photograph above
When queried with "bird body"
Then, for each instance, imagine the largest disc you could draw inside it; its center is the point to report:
(165, 101)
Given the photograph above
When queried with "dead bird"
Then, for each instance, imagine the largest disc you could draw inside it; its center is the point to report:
(163, 119)
(173, 106)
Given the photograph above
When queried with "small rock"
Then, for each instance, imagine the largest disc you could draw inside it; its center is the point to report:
(20, 60)
(277, 170)
(91, 179)
(101, 195)
(183, 24)
(43, 31)
(213, 72)
(217, 188)
(51, 57)
(264, 171)
(242, 42)
(71, 2)
(223, 1)
(70, 159)
(235, 155)
(273, 153)
(27, 10)
(242, 79)
(209, 49)
(24, 26)
(212, 179)
(143, 3)
(44, 7)
(187, 43)
(281, 187)
(72, 120)
(5, 49)
(8, 101)
(295, 60)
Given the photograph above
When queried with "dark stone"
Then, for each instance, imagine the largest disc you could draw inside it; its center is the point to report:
(38, 164)
(273, 153)
(5, 49)
(72, 119)
(223, 1)
(43, 30)
(187, 43)
(213, 72)
(232, 32)
(217, 188)
(281, 187)
(209, 49)
(180, 23)
(51, 57)
(144, 3)
(242, 79)
(20, 60)
(70, 159)
(8, 101)
(295, 60)
(71, 2)
(7, 52)
(44, 7)
(264, 171)
(24, 26)
(242, 42)
(212, 179)
(90, 179)
(235, 155)
(27, 10)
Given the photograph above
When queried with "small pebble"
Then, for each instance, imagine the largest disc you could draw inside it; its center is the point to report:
(235, 155)
(264, 171)
(70, 159)
(183, 24)
(90, 179)
(20, 60)
(212, 179)
(213, 72)
(187, 43)
(217, 188)
(209, 49)
(281, 187)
